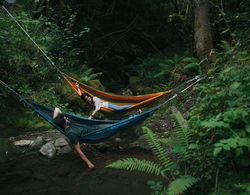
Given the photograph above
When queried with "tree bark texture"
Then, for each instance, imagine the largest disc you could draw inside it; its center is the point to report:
(202, 31)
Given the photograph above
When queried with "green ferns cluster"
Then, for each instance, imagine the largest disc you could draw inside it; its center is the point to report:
(223, 110)
(221, 117)
(167, 166)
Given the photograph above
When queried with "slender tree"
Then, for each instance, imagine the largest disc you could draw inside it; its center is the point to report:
(202, 31)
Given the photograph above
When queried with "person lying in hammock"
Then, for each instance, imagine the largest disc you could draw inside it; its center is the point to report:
(98, 103)
(73, 135)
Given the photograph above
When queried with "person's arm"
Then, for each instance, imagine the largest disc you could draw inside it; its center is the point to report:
(78, 89)
(57, 111)
(95, 111)
(82, 155)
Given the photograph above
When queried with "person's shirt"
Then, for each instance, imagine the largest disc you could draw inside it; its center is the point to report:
(99, 103)
(74, 134)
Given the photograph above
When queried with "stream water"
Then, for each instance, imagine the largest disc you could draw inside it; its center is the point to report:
(36, 174)
(67, 174)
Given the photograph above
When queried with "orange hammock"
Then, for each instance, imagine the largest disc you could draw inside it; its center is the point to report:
(126, 103)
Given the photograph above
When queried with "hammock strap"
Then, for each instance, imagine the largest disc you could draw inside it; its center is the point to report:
(197, 77)
(182, 91)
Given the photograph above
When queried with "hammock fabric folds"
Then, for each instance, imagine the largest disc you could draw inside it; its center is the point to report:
(121, 103)
(94, 131)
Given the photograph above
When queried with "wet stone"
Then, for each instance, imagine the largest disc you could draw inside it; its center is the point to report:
(38, 142)
(23, 143)
(60, 142)
(64, 150)
(118, 140)
(48, 150)
(11, 139)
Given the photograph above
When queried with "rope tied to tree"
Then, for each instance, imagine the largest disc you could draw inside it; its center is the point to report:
(196, 79)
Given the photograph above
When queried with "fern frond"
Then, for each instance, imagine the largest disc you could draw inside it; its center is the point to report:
(168, 141)
(157, 149)
(134, 164)
(182, 133)
(181, 184)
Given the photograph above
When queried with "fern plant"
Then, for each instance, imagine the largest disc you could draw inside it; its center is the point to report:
(145, 166)
(181, 132)
(180, 140)
(181, 184)
(157, 149)
(166, 165)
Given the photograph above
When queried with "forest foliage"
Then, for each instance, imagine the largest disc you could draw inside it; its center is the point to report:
(144, 46)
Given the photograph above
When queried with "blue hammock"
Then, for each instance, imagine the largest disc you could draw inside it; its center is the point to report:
(94, 130)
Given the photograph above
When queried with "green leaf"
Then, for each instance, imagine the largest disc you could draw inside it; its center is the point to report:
(217, 151)
(155, 185)
(248, 128)
(191, 65)
(193, 146)
(239, 151)
(214, 124)
(226, 147)
(179, 149)
(235, 85)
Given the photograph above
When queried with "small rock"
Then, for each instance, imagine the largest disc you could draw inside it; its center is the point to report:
(23, 143)
(101, 147)
(118, 140)
(38, 142)
(64, 150)
(48, 139)
(48, 150)
(133, 144)
(11, 139)
(60, 142)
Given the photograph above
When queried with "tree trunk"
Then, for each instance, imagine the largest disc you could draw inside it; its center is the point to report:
(202, 31)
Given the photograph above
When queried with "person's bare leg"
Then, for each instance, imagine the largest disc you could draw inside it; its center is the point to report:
(82, 155)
